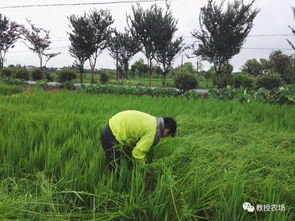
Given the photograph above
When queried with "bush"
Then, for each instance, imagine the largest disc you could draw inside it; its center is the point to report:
(244, 80)
(185, 81)
(277, 96)
(37, 74)
(65, 75)
(12, 81)
(139, 68)
(269, 81)
(48, 76)
(6, 72)
(41, 84)
(22, 73)
(9, 89)
(112, 89)
(104, 77)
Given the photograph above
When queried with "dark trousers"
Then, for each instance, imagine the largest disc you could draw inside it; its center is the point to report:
(108, 141)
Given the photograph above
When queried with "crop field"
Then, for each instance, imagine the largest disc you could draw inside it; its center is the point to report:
(224, 154)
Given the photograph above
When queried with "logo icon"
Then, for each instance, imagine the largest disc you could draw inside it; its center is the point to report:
(247, 206)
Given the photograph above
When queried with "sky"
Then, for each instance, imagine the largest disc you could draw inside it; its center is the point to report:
(274, 18)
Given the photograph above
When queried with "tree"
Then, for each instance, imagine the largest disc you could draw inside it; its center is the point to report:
(122, 47)
(282, 64)
(266, 65)
(195, 55)
(223, 32)
(144, 25)
(166, 55)
(252, 67)
(39, 40)
(9, 34)
(226, 76)
(100, 22)
(255, 67)
(188, 67)
(139, 68)
(82, 42)
(166, 48)
(293, 31)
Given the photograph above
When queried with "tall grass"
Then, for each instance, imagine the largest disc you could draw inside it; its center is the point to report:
(10, 89)
(226, 153)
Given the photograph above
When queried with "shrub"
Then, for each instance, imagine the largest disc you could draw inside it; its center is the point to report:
(6, 72)
(139, 68)
(65, 75)
(11, 81)
(112, 89)
(191, 95)
(22, 73)
(277, 96)
(104, 77)
(37, 74)
(41, 84)
(48, 75)
(185, 81)
(9, 89)
(269, 81)
(244, 80)
(225, 93)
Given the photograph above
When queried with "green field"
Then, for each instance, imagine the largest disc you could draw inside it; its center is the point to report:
(224, 154)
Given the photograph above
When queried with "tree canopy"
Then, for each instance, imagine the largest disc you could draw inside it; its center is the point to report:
(9, 34)
(100, 22)
(39, 42)
(223, 31)
(166, 47)
(82, 42)
(122, 47)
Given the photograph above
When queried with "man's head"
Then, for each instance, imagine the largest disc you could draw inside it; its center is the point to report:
(170, 127)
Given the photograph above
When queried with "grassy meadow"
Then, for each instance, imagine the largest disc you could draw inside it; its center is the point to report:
(224, 154)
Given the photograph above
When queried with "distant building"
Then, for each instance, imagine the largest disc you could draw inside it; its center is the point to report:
(31, 67)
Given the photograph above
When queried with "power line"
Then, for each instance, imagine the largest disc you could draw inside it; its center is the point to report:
(27, 51)
(272, 35)
(260, 35)
(274, 49)
(244, 48)
(78, 4)
(266, 35)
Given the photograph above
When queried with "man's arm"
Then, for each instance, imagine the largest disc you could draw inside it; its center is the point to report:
(142, 147)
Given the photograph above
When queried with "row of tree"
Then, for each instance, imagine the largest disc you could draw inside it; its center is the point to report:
(278, 62)
(35, 38)
(223, 31)
(149, 31)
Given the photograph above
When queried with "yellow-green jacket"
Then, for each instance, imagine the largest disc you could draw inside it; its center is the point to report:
(137, 129)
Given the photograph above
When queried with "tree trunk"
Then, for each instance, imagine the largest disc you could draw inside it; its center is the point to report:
(150, 71)
(81, 73)
(120, 70)
(217, 74)
(41, 65)
(117, 71)
(2, 58)
(92, 63)
(126, 69)
(164, 79)
(92, 75)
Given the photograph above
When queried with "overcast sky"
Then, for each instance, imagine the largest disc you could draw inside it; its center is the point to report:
(273, 19)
